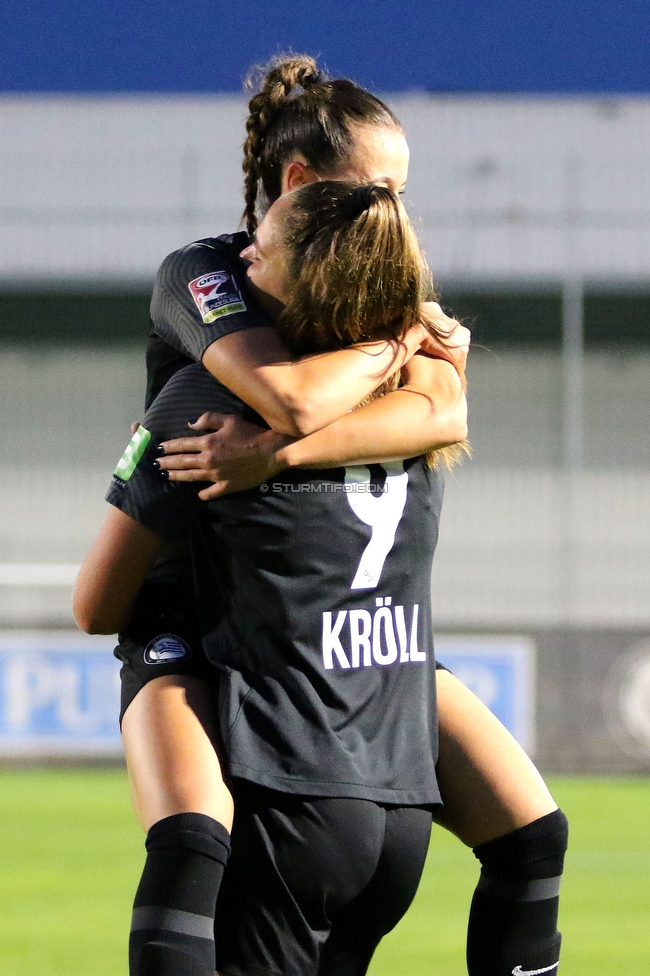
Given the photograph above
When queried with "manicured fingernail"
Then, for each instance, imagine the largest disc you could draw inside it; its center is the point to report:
(192, 420)
(164, 475)
(156, 463)
(160, 449)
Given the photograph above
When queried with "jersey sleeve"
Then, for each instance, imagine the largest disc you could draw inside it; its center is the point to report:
(166, 507)
(139, 491)
(200, 295)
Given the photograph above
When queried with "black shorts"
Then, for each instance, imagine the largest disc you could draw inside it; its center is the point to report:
(313, 884)
(162, 638)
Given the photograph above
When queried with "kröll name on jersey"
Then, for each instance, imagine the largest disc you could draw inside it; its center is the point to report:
(359, 638)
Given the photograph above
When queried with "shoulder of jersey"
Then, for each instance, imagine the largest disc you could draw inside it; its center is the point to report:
(230, 244)
(206, 254)
(227, 246)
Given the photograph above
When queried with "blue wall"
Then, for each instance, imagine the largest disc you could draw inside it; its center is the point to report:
(437, 45)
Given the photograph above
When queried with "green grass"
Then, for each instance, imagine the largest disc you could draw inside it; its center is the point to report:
(71, 853)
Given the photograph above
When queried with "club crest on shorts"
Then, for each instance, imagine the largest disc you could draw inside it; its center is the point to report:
(166, 649)
(216, 295)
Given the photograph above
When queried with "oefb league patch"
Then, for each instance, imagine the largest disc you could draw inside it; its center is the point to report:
(216, 295)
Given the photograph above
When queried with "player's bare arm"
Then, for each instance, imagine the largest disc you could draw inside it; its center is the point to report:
(298, 396)
(112, 573)
(418, 418)
(429, 412)
(236, 455)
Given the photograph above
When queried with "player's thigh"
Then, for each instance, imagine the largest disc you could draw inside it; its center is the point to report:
(489, 785)
(169, 733)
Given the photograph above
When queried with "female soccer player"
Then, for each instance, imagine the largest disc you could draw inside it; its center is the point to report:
(323, 634)
(304, 127)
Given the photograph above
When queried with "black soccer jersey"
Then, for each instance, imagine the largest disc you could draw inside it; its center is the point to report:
(325, 645)
(200, 295)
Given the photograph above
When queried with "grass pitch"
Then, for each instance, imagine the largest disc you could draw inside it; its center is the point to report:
(71, 853)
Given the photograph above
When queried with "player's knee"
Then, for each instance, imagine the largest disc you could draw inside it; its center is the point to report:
(513, 920)
(193, 832)
(535, 851)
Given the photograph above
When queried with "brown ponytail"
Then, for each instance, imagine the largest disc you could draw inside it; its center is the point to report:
(299, 110)
(356, 268)
(357, 273)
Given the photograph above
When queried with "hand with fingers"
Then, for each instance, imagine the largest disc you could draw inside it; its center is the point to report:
(233, 454)
(454, 345)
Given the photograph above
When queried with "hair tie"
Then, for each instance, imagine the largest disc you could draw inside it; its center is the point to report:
(362, 197)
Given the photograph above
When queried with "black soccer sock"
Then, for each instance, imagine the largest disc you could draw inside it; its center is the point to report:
(513, 919)
(172, 930)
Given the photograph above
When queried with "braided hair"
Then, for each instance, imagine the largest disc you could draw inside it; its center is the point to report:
(297, 109)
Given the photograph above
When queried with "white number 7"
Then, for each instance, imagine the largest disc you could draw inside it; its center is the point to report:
(382, 513)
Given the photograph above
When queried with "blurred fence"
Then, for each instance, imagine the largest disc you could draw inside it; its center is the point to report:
(545, 533)
(525, 540)
(102, 188)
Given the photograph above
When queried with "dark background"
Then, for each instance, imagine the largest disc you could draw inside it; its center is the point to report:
(496, 318)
